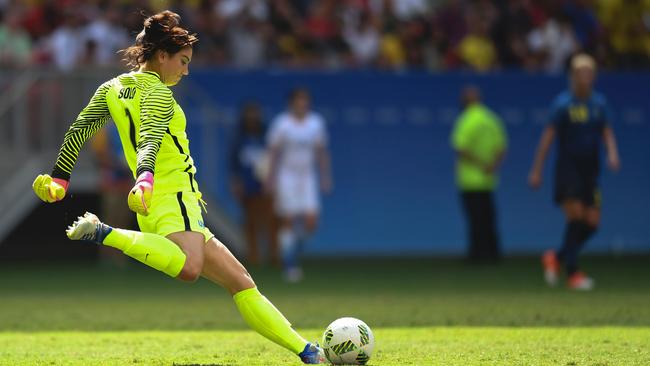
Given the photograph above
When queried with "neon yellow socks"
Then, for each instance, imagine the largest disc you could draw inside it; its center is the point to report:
(162, 254)
(151, 249)
(266, 320)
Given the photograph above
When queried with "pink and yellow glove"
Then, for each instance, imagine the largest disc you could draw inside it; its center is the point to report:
(50, 189)
(140, 195)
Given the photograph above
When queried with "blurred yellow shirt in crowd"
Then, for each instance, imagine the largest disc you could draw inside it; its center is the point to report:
(392, 50)
(624, 22)
(478, 52)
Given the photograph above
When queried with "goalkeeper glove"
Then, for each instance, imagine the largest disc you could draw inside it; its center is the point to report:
(140, 195)
(50, 189)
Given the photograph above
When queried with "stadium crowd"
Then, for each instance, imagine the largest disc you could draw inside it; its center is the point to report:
(436, 35)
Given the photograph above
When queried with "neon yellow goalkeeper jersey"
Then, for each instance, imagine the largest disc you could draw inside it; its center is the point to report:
(151, 126)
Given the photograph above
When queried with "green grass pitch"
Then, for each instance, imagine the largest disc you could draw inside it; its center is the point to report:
(423, 312)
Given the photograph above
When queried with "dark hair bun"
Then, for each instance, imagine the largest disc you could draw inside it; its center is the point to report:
(159, 25)
(161, 31)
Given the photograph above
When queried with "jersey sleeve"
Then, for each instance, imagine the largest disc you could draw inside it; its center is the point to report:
(156, 111)
(88, 122)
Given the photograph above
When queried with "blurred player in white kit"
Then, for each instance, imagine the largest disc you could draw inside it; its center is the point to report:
(299, 167)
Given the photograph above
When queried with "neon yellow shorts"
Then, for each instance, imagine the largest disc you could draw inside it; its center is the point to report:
(174, 212)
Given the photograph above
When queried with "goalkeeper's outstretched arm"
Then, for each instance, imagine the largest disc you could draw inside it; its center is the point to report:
(90, 120)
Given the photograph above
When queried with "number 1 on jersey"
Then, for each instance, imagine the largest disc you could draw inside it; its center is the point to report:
(131, 128)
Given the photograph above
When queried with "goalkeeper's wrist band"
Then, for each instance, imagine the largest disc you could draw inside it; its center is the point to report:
(145, 177)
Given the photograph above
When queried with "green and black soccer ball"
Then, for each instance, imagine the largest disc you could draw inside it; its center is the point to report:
(348, 341)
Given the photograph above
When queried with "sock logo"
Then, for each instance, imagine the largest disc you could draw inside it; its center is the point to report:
(146, 256)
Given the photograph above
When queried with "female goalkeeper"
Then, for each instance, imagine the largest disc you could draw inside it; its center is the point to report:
(165, 197)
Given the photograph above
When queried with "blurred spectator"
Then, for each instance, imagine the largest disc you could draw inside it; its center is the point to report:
(393, 54)
(476, 49)
(451, 28)
(135, 12)
(324, 38)
(585, 23)
(392, 50)
(247, 39)
(287, 22)
(211, 26)
(15, 44)
(363, 39)
(483, 35)
(628, 23)
(257, 9)
(247, 172)
(89, 55)
(41, 19)
(409, 9)
(516, 18)
(553, 43)
(414, 35)
(107, 34)
(480, 141)
(67, 44)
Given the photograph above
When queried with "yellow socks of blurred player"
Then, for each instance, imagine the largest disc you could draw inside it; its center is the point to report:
(266, 320)
(151, 249)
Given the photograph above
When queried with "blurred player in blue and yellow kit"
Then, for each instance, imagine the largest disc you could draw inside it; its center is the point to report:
(151, 126)
(580, 121)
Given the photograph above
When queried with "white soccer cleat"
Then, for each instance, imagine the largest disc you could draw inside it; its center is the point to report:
(88, 227)
(580, 281)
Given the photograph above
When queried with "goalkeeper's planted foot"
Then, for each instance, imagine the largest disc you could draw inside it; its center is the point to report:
(88, 227)
(312, 354)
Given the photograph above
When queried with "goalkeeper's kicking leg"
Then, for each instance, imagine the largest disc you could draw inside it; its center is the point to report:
(221, 267)
(186, 256)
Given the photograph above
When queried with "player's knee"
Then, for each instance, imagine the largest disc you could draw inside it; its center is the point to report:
(189, 274)
(191, 271)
